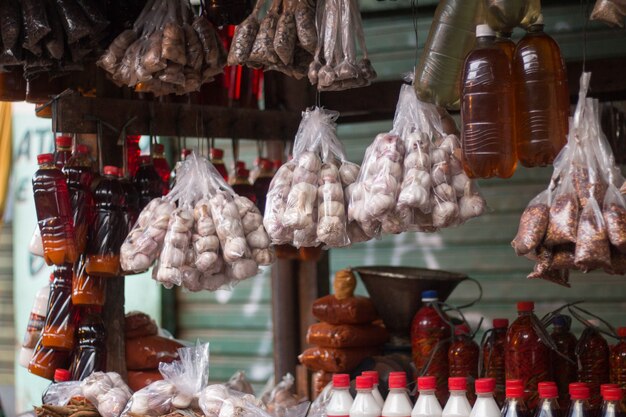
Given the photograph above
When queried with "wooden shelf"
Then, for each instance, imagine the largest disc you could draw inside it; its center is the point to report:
(73, 113)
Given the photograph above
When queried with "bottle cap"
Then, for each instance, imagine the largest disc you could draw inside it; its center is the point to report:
(239, 164)
(426, 383)
(145, 159)
(341, 380)
(185, 153)
(159, 148)
(265, 164)
(243, 172)
(44, 158)
(548, 390)
(500, 323)
(485, 385)
(110, 170)
(484, 30)
(457, 383)
(63, 141)
(605, 386)
(514, 390)
(515, 383)
(621, 331)
(373, 375)
(578, 391)
(430, 295)
(525, 306)
(560, 321)
(62, 375)
(82, 148)
(364, 382)
(612, 394)
(397, 381)
(216, 153)
(462, 329)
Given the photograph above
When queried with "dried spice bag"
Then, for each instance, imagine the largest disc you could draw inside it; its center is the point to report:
(611, 12)
(244, 37)
(533, 225)
(305, 25)
(563, 222)
(614, 214)
(286, 33)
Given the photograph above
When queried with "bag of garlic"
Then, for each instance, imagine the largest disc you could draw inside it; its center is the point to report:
(182, 381)
(107, 392)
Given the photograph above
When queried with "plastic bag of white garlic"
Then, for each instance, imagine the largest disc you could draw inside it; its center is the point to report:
(107, 392)
(204, 235)
(412, 178)
(305, 204)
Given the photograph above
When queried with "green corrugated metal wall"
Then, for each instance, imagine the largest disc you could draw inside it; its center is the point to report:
(7, 335)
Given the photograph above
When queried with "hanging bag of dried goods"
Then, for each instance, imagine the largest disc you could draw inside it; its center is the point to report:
(263, 53)
(305, 25)
(286, 33)
(244, 37)
(533, 225)
(611, 12)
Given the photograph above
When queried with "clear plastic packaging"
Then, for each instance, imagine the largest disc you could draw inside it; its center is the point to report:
(107, 391)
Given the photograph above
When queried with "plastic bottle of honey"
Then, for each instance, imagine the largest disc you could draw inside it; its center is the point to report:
(618, 359)
(217, 159)
(54, 213)
(108, 230)
(593, 365)
(488, 110)
(365, 405)
(494, 350)
(340, 399)
(162, 167)
(527, 356)
(375, 390)
(79, 175)
(60, 324)
(457, 404)
(565, 372)
(90, 354)
(397, 403)
(147, 182)
(63, 150)
(542, 97)
(36, 321)
(463, 358)
(548, 400)
(579, 405)
(427, 404)
(87, 290)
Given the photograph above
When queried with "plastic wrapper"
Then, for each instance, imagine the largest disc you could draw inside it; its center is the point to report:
(533, 225)
(176, 244)
(244, 37)
(256, 236)
(286, 33)
(141, 379)
(614, 213)
(346, 335)
(10, 23)
(352, 310)
(219, 401)
(276, 204)
(76, 24)
(335, 360)
(147, 352)
(563, 221)
(611, 12)
(36, 25)
(281, 399)
(94, 13)
(239, 382)
(305, 25)
(505, 15)
(62, 392)
(592, 248)
(107, 391)
(263, 53)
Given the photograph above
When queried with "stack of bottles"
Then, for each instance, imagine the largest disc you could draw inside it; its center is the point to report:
(514, 102)
(369, 403)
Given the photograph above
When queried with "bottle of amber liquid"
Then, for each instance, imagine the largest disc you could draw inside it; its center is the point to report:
(593, 352)
(54, 213)
(90, 354)
(87, 290)
(504, 42)
(488, 110)
(564, 372)
(463, 359)
(79, 175)
(147, 181)
(60, 324)
(618, 359)
(108, 230)
(494, 350)
(542, 98)
(46, 361)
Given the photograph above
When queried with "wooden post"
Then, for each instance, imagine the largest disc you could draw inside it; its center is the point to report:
(285, 318)
(113, 317)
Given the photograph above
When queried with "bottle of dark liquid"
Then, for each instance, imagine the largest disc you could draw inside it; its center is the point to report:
(90, 355)
(60, 324)
(242, 185)
(548, 400)
(564, 372)
(130, 207)
(63, 150)
(217, 159)
(147, 182)
(54, 213)
(618, 359)
(611, 406)
(262, 183)
(579, 400)
(79, 175)
(514, 405)
(132, 154)
(430, 330)
(593, 352)
(494, 350)
(162, 167)
(87, 290)
(463, 359)
(46, 361)
(108, 230)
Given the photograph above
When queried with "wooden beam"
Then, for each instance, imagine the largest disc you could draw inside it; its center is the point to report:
(76, 114)
(113, 317)
(285, 318)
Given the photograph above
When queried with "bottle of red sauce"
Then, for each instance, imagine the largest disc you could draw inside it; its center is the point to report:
(262, 183)
(90, 354)
(564, 372)
(79, 175)
(147, 182)
(132, 153)
(60, 324)
(618, 359)
(63, 150)
(593, 353)
(494, 350)
(161, 166)
(429, 330)
(242, 185)
(463, 358)
(87, 290)
(217, 159)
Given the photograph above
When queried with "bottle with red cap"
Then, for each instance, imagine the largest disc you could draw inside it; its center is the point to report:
(427, 404)
(564, 371)
(108, 229)
(340, 399)
(593, 354)
(463, 358)
(485, 405)
(429, 330)
(162, 167)
(375, 391)
(87, 290)
(618, 359)
(35, 324)
(63, 150)
(527, 356)
(60, 323)
(262, 183)
(579, 400)
(90, 354)
(54, 213)
(397, 403)
(132, 153)
(130, 206)
(79, 175)
(242, 185)
(548, 400)
(217, 159)
(611, 405)
(514, 405)
(457, 404)
(494, 349)
(60, 375)
(147, 182)
(365, 405)
(237, 165)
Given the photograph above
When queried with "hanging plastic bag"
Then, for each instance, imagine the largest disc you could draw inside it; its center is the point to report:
(244, 37)
(611, 12)
(239, 382)
(533, 225)
(564, 210)
(305, 25)
(286, 33)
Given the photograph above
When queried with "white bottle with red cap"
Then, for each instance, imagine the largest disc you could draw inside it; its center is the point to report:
(375, 392)
(398, 403)
(427, 404)
(485, 405)
(340, 399)
(457, 405)
(365, 405)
